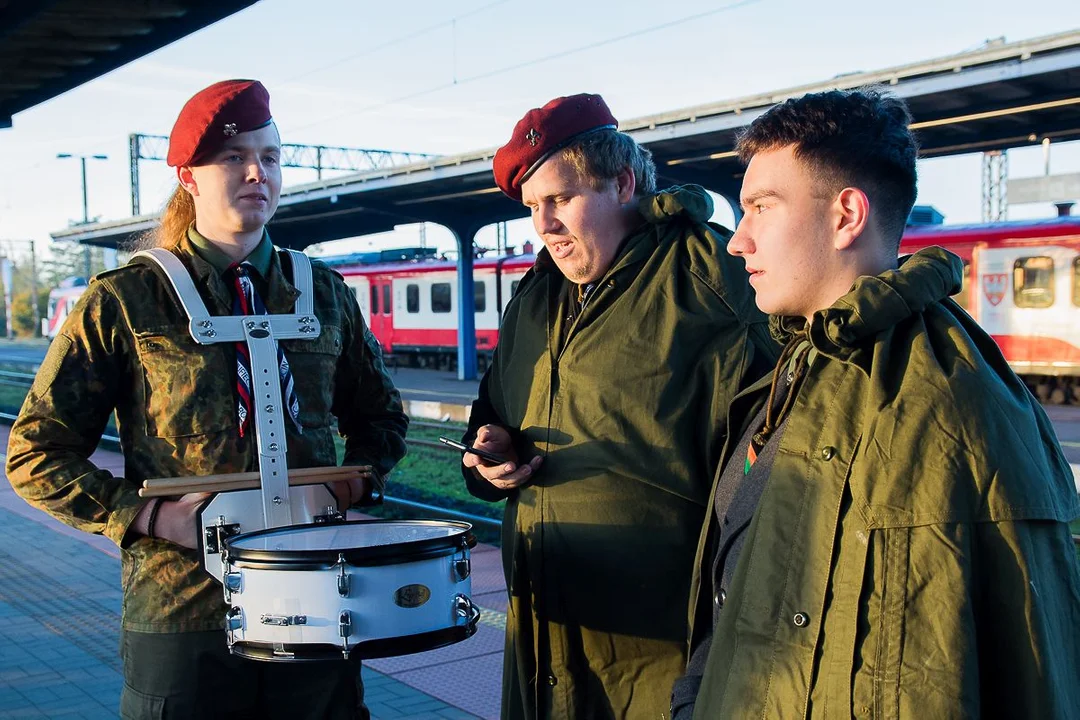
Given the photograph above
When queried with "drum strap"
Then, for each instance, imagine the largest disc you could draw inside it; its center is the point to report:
(261, 333)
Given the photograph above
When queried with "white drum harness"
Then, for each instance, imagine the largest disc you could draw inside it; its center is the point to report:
(261, 333)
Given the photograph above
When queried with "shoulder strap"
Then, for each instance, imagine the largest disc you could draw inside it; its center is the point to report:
(206, 329)
(179, 278)
(301, 279)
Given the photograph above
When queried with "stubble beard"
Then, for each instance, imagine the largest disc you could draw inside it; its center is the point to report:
(581, 272)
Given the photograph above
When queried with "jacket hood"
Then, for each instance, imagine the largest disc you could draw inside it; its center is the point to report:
(876, 303)
(692, 201)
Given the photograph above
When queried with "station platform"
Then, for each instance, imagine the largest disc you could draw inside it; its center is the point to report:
(60, 622)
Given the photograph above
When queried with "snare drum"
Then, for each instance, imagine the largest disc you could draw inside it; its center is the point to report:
(372, 588)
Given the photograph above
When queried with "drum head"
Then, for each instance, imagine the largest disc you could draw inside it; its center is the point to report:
(361, 542)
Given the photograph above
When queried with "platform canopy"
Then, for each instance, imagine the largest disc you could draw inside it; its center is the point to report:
(997, 97)
(48, 47)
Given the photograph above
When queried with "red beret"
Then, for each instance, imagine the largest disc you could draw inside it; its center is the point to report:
(544, 131)
(214, 114)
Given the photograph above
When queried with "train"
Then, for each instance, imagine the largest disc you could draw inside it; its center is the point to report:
(1021, 283)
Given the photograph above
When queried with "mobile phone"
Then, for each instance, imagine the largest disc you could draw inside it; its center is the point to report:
(489, 458)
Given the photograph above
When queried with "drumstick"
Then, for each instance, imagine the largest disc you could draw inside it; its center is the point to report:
(223, 486)
(234, 477)
(243, 484)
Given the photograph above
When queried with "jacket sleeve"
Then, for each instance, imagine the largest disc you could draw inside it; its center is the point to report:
(483, 413)
(368, 407)
(64, 416)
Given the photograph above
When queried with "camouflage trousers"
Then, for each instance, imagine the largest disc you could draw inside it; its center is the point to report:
(192, 675)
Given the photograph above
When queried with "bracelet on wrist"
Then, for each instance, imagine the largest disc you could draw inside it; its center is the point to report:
(153, 518)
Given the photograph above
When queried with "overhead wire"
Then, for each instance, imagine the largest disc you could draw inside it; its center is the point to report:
(528, 63)
(395, 41)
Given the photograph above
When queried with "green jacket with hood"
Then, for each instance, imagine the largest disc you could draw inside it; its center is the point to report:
(910, 556)
(628, 413)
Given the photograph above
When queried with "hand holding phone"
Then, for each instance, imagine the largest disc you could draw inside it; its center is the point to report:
(489, 458)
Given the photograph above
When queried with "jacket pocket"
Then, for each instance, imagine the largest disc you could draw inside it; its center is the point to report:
(314, 366)
(135, 705)
(188, 387)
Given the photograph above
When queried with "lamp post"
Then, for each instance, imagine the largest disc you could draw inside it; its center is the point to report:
(85, 206)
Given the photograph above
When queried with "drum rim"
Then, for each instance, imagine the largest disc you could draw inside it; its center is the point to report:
(371, 555)
(398, 646)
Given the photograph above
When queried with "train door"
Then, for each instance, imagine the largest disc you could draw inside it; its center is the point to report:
(359, 285)
(381, 304)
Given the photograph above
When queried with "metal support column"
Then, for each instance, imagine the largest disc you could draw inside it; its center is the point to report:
(466, 305)
(133, 165)
(995, 176)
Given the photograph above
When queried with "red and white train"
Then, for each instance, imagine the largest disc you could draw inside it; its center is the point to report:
(61, 301)
(1021, 283)
(412, 307)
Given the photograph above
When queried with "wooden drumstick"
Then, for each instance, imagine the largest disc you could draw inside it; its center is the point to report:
(164, 487)
(235, 477)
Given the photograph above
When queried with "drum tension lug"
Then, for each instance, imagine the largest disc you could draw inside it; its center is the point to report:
(216, 535)
(343, 577)
(345, 629)
(234, 619)
(460, 568)
(233, 582)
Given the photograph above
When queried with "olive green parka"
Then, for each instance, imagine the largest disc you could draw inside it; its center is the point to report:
(628, 414)
(910, 556)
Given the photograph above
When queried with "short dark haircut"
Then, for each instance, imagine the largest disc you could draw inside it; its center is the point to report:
(848, 138)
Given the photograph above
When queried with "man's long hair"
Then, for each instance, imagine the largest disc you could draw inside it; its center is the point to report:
(847, 138)
(177, 216)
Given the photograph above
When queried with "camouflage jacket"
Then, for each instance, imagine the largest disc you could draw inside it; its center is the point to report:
(126, 348)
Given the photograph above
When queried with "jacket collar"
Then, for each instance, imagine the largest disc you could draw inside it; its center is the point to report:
(279, 296)
(876, 303)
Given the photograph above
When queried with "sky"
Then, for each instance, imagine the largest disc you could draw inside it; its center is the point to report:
(450, 77)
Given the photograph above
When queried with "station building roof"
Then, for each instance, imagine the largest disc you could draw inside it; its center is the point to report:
(48, 47)
(1000, 96)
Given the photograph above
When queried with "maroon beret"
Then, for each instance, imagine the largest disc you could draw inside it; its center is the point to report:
(544, 131)
(215, 114)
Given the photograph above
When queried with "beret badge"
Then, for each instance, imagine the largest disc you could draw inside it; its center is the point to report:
(230, 129)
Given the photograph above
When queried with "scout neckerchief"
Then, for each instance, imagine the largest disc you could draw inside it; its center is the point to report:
(794, 360)
(247, 302)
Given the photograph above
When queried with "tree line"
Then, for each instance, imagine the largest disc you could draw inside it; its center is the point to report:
(63, 260)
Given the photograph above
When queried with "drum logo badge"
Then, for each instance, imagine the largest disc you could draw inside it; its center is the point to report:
(411, 596)
(994, 286)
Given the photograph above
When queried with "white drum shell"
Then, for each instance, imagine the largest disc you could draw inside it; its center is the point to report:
(374, 614)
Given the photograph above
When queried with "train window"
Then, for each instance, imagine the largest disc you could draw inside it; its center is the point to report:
(1076, 281)
(412, 298)
(374, 299)
(386, 299)
(1033, 282)
(963, 298)
(479, 296)
(440, 297)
